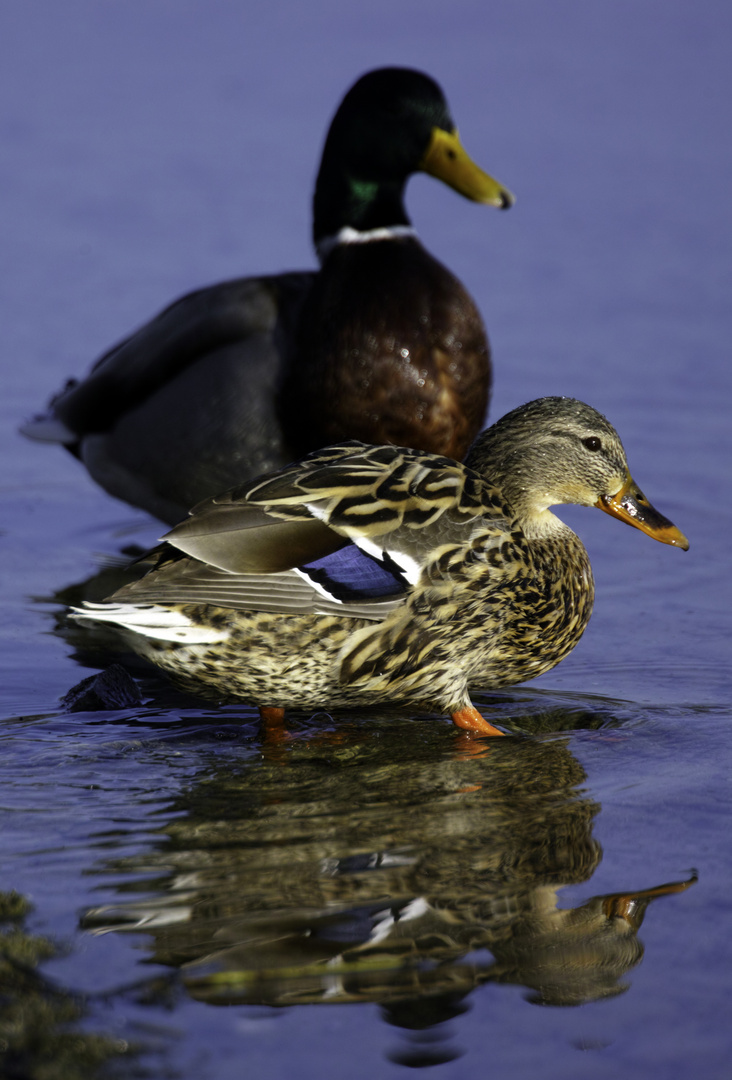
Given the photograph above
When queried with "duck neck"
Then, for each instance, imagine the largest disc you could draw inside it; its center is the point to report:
(516, 473)
(533, 512)
(344, 202)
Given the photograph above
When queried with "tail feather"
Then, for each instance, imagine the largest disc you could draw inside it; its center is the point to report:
(48, 428)
(150, 621)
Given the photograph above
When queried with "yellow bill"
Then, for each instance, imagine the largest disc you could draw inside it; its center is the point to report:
(447, 161)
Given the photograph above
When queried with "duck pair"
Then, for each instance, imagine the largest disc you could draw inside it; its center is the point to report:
(362, 573)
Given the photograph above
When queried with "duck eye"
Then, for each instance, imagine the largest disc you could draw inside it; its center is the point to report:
(592, 443)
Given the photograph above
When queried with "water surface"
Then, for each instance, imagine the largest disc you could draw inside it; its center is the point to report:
(380, 893)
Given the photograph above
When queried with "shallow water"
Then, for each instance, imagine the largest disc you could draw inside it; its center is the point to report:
(380, 893)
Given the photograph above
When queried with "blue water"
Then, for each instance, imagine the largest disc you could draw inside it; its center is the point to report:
(148, 149)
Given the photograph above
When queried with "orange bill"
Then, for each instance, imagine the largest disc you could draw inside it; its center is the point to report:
(632, 906)
(630, 505)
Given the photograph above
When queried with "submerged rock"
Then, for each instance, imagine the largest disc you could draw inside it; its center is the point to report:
(110, 689)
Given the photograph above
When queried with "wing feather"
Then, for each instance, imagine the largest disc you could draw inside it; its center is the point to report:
(393, 503)
(253, 547)
(188, 581)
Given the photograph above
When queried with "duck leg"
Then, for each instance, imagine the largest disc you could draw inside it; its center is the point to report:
(273, 723)
(272, 719)
(470, 719)
(274, 735)
(271, 714)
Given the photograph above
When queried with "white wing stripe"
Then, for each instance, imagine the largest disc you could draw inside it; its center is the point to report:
(162, 624)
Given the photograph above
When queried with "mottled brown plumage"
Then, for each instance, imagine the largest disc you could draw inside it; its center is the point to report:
(488, 587)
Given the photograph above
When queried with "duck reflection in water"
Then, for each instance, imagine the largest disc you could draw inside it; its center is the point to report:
(387, 871)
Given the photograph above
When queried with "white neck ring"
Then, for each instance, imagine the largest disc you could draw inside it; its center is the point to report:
(349, 235)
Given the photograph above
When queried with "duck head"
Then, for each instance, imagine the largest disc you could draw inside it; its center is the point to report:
(558, 450)
(393, 122)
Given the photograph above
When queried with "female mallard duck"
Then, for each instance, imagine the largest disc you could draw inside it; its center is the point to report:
(364, 575)
(382, 344)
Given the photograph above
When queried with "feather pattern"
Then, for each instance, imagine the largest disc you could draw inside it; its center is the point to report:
(393, 503)
(437, 576)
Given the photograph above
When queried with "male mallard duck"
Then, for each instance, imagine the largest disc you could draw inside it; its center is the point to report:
(382, 344)
(364, 575)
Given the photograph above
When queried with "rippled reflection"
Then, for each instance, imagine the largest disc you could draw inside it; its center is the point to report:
(381, 859)
(385, 861)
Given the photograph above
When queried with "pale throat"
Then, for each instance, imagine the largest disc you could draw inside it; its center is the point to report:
(538, 522)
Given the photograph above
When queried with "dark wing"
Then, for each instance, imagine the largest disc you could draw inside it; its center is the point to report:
(156, 354)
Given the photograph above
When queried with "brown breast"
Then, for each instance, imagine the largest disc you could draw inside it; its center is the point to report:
(391, 349)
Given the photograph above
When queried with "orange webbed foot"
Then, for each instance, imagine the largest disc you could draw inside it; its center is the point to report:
(470, 720)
